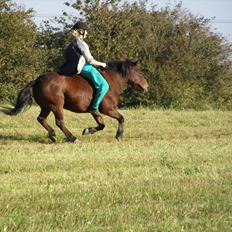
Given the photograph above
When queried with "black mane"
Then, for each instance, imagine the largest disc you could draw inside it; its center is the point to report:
(121, 67)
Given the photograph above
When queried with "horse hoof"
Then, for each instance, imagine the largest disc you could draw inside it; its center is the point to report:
(119, 138)
(86, 131)
(76, 141)
(53, 138)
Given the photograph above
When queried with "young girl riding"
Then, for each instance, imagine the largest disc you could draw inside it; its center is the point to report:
(79, 60)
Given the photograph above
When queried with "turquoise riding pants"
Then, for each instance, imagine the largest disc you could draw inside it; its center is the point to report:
(99, 82)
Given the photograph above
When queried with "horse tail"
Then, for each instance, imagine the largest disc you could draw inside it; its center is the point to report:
(24, 100)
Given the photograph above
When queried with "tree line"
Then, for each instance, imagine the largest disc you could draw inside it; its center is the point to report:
(187, 65)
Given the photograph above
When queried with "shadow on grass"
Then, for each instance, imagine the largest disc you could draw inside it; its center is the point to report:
(32, 138)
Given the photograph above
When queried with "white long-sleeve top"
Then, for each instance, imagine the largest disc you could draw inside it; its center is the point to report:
(86, 54)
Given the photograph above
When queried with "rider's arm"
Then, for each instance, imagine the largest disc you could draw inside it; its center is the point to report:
(87, 54)
(97, 63)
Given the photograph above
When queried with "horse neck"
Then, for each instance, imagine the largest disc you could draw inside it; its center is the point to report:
(118, 80)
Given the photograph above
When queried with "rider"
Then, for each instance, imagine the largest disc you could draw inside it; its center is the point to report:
(79, 60)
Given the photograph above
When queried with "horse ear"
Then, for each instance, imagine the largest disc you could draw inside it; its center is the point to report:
(131, 62)
(134, 63)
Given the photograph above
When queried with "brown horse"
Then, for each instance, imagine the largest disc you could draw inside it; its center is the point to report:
(54, 92)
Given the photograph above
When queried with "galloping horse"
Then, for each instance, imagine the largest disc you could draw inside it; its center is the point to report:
(54, 92)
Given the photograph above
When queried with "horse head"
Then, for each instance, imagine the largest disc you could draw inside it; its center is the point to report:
(131, 73)
(136, 78)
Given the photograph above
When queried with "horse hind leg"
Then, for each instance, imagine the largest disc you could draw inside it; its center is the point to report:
(59, 116)
(92, 130)
(42, 120)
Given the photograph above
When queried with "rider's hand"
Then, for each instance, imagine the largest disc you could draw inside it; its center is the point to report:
(104, 65)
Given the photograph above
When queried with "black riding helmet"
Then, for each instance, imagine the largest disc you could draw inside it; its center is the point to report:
(80, 25)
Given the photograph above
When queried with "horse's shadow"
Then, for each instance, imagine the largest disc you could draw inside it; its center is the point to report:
(31, 138)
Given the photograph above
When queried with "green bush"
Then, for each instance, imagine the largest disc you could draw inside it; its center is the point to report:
(20, 59)
(187, 65)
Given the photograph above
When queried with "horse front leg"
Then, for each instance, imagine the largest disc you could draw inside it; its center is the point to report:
(92, 130)
(115, 114)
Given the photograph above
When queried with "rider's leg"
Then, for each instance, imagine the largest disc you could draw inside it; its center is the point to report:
(99, 82)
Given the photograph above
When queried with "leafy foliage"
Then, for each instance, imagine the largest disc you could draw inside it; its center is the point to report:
(186, 64)
(20, 59)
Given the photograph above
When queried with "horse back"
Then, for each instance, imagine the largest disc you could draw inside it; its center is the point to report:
(71, 92)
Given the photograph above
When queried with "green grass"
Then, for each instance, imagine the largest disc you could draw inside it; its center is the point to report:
(172, 172)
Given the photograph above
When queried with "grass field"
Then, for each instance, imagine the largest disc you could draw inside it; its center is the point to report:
(171, 172)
